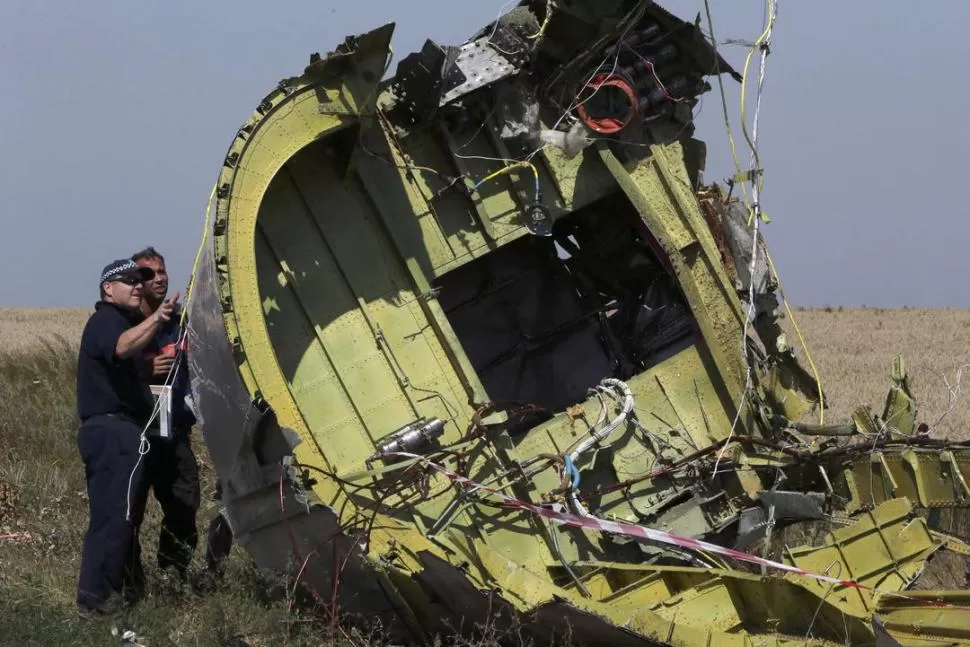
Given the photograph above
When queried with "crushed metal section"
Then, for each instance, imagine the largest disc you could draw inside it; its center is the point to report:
(501, 267)
(885, 551)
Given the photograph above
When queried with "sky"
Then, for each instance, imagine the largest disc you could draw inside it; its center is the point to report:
(115, 118)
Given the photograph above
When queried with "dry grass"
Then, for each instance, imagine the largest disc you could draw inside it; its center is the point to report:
(25, 328)
(853, 350)
(43, 516)
(42, 492)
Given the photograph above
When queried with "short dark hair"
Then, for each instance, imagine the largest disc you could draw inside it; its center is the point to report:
(147, 253)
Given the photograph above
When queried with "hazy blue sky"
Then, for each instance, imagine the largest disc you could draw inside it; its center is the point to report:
(115, 117)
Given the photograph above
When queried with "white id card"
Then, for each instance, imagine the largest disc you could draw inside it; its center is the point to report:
(163, 398)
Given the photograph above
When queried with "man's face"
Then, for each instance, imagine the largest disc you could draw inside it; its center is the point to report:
(157, 287)
(125, 291)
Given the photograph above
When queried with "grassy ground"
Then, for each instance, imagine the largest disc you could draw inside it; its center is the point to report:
(43, 513)
(43, 508)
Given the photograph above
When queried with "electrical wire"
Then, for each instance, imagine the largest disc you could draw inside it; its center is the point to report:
(406, 165)
(632, 17)
(498, 17)
(509, 169)
(554, 534)
(656, 78)
(198, 256)
(753, 206)
(750, 312)
(600, 435)
(762, 44)
(545, 23)
(576, 102)
(724, 106)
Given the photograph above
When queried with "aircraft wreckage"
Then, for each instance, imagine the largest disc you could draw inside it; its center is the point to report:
(466, 345)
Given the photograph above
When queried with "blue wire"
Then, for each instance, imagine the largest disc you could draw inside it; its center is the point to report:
(571, 469)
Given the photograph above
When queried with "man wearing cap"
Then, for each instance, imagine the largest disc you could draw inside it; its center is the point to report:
(173, 472)
(114, 406)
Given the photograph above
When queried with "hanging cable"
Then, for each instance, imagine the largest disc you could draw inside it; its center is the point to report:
(753, 205)
(801, 340)
(763, 44)
(144, 445)
(754, 211)
(724, 106)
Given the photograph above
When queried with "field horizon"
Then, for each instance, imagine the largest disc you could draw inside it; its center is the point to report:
(850, 346)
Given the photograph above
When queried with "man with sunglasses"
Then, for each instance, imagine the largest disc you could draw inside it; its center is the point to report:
(173, 472)
(114, 406)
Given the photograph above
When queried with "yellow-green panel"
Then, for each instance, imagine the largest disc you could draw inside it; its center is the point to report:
(311, 378)
(327, 240)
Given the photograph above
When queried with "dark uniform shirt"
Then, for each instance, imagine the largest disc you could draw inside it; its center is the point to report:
(105, 383)
(167, 339)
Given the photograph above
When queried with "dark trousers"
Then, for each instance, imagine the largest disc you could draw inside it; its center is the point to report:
(111, 556)
(173, 475)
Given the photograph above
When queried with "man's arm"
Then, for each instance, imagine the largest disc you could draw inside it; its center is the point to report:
(137, 337)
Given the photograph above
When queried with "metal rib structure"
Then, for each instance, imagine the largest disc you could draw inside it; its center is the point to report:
(448, 327)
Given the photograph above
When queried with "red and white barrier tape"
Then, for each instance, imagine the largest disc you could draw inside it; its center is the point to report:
(626, 529)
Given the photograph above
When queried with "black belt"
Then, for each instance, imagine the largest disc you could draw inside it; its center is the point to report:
(118, 416)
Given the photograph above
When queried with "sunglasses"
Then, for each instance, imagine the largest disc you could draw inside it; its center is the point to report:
(128, 280)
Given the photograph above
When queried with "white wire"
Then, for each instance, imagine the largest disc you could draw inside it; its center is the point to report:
(756, 208)
(952, 397)
(577, 507)
(144, 445)
(601, 434)
(498, 16)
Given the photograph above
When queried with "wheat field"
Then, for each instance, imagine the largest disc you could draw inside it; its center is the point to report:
(23, 328)
(852, 349)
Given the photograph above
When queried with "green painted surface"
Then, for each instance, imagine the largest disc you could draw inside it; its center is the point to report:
(329, 257)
